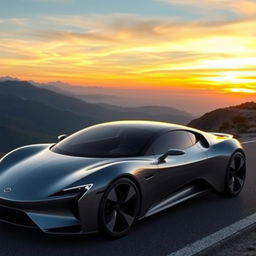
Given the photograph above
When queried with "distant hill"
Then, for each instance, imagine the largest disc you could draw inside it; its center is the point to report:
(31, 114)
(102, 98)
(234, 119)
(24, 121)
(158, 113)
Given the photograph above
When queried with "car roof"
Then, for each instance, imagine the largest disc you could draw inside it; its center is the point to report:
(153, 126)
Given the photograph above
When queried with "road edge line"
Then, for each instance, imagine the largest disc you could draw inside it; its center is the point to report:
(247, 142)
(219, 236)
(215, 238)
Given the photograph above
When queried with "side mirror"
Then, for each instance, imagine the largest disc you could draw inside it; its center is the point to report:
(62, 137)
(171, 152)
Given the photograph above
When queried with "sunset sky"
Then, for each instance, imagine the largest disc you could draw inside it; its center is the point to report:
(182, 46)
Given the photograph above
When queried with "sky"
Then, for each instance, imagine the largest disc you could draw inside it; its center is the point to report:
(204, 50)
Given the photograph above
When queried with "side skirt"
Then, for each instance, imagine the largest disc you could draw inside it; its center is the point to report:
(176, 198)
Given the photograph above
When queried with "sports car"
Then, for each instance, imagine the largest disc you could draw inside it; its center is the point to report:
(107, 176)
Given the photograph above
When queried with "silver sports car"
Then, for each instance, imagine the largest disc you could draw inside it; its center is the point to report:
(105, 177)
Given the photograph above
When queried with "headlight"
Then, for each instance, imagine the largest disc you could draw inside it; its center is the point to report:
(76, 190)
(84, 188)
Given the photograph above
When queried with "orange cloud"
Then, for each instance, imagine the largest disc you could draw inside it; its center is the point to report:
(133, 50)
(242, 7)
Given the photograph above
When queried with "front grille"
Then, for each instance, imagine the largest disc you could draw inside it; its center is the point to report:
(15, 216)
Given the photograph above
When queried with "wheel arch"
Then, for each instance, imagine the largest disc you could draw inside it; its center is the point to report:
(240, 150)
(127, 176)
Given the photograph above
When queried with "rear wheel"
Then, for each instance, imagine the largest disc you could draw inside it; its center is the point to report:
(235, 177)
(119, 208)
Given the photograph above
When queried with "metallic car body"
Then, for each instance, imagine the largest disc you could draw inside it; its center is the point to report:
(32, 180)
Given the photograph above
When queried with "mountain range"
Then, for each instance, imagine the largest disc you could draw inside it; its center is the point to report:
(32, 114)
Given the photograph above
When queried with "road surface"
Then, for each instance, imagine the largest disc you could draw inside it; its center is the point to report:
(160, 234)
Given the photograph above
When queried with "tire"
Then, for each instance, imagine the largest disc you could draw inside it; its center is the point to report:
(119, 208)
(235, 176)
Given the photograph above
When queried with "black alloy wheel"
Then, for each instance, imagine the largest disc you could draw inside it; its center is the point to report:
(119, 208)
(236, 174)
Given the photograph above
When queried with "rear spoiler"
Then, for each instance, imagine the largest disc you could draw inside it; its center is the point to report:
(218, 134)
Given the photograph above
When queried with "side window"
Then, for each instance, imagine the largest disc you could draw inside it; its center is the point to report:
(192, 137)
(173, 140)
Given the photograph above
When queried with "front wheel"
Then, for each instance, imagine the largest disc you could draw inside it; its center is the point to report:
(236, 173)
(119, 208)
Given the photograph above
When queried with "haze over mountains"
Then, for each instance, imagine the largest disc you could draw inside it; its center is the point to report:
(189, 100)
(32, 114)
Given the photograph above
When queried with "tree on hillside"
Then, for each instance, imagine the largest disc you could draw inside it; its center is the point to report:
(225, 126)
(239, 119)
(246, 105)
(241, 123)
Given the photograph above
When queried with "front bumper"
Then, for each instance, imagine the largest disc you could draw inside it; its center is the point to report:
(57, 215)
(73, 214)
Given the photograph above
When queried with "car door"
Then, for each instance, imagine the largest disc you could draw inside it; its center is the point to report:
(178, 170)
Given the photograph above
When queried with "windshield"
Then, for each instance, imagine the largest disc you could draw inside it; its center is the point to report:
(105, 141)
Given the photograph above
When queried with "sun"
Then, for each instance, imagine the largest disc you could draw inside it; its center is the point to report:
(234, 81)
(242, 90)
(231, 77)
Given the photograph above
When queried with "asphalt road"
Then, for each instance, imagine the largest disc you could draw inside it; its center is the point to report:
(160, 234)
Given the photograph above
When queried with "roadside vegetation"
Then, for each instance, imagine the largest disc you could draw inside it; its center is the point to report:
(243, 122)
(238, 124)
(235, 119)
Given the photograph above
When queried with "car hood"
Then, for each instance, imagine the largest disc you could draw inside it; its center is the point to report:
(44, 173)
